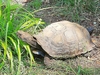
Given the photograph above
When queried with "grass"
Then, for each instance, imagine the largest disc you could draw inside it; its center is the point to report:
(15, 56)
(12, 20)
(74, 10)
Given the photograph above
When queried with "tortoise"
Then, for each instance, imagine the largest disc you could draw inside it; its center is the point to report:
(60, 40)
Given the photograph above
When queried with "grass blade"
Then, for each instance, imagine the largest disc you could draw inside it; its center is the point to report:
(31, 56)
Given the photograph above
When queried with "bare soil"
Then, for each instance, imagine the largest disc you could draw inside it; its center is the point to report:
(90, 60)
(54, 14)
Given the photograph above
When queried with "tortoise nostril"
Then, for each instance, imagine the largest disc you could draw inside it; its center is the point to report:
(19, 34)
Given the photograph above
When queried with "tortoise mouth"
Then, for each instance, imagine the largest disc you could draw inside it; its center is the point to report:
(18, 34)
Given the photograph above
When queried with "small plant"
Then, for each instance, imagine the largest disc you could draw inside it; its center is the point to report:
(12, 19)
(34, 5)
(37, 4)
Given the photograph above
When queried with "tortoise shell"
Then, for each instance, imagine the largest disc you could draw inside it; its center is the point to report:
(64, 39)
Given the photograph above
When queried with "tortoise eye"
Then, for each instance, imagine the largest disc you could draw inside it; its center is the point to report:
(34, 38)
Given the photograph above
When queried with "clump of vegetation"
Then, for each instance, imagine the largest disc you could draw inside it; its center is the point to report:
(12, 19)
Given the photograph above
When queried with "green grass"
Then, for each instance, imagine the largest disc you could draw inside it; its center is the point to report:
(74, 10)
(15, 56)
(12, 19)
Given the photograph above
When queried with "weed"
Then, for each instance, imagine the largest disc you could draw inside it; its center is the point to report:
(13, 18)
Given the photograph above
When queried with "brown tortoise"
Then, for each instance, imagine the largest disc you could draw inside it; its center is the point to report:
(60, 40)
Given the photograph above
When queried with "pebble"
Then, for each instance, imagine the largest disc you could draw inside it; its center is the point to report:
(94, 22)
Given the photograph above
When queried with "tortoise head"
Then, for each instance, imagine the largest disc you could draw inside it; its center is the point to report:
(26, 37)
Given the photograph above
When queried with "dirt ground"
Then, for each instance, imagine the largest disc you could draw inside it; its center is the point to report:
(54, 14)
(88, 60)
(86, 19)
